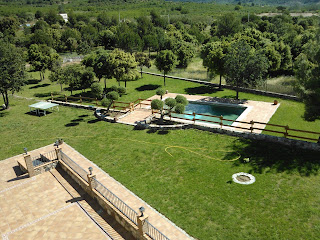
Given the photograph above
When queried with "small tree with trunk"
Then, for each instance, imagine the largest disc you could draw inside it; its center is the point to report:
(157, 104)
(160, 92)
(110, 98)
(165, 62)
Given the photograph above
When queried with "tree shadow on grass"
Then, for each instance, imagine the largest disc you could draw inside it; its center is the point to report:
(201, 90)
(35, 114)
(2, 114)
(72, 124)
(147, 87)
(40, 85)
(266, 156)
(42, 95)
(93, 121)
(33, 81)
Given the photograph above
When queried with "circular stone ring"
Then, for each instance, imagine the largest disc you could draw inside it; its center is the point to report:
(243, 178)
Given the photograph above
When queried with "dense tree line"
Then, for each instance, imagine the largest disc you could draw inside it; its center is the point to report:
(273, 45)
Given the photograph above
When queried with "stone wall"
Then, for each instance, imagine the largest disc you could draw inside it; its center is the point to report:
(254, 136)
(262, 137)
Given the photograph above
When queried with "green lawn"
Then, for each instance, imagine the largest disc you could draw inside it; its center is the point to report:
(193, 188)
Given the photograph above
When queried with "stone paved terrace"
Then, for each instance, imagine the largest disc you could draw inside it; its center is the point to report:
(256, 110)
(52, 206)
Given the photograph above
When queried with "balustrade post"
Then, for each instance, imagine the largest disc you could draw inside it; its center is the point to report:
(142, 225)
(58, 153)
(29, 165)
(91, 178)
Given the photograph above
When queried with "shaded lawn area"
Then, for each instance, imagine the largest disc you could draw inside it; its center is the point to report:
(192, 187)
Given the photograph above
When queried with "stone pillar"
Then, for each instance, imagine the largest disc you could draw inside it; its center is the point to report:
(58, 153)
(29, 165)
(142, 223)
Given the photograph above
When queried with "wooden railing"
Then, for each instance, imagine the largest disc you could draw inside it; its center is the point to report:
(284, 131)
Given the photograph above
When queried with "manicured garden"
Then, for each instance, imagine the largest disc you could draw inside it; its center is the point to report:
(193, 187)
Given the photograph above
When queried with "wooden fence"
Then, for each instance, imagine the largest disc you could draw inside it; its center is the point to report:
(284, 131)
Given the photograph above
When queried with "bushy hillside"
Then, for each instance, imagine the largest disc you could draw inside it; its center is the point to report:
(263, 2)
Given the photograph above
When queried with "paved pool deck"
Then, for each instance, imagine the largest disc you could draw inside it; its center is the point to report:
(52, 206)
(256, 111)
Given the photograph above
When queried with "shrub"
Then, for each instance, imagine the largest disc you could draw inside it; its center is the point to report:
(105, 102)
(160, 92)
(157, 104)
(96, 90)
(170, 102)
(181, 99)
(180, 108)
(114, 88)
(121, 90)
(113, 95)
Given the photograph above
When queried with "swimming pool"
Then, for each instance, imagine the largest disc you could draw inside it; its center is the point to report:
(228, 111)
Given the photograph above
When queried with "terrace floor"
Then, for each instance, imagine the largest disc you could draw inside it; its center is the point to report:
(52, 206)
(256, 111)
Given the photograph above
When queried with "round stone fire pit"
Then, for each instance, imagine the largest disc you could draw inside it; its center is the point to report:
(243, 178)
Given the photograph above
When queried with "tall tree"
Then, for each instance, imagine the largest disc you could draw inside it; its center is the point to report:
(12, 70)
(103, 66)
(143, 60)
(73, 74)
(42, 57)
(308, 84)
(227, 24)
(165, 62)
(244, 66)
(124, 66)
(213, 55)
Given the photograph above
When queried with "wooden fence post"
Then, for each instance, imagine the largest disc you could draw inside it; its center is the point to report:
(80, 99)
(194, 117)
(251, 128)
(66, 98)
(51, 96)
(286, 133)
(221, 123)
(97, 101)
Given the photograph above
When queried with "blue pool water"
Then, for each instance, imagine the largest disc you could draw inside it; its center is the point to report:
(227, 111)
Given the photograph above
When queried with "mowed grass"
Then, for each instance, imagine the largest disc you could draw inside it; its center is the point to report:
(192, 187)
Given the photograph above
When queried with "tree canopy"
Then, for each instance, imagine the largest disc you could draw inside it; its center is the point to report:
(12, 70)
(244, 66)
